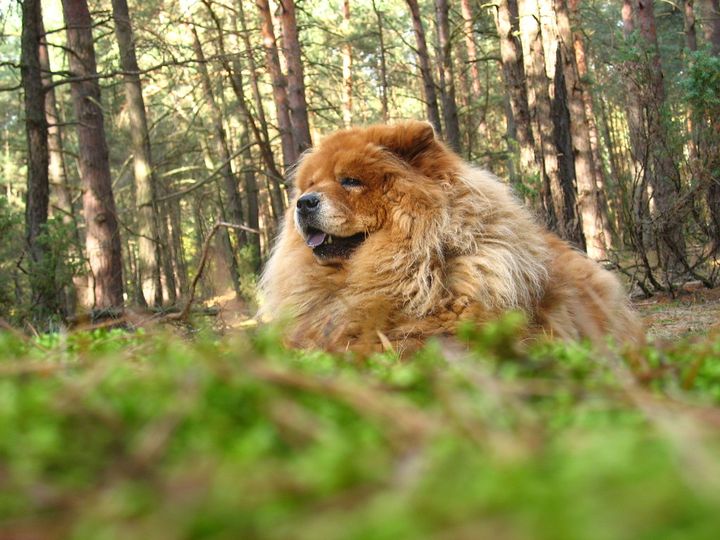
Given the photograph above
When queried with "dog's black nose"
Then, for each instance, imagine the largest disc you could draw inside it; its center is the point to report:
(308, 203)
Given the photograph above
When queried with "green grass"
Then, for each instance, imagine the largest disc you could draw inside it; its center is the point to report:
(116, 435)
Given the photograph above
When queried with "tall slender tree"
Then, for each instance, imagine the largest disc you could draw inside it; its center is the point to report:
(60, 201)
(102, 231)
(429, 92)
(259, 129)
(587, 196)
(347, 56)
(279, 86)
(295, 76)
(447, 77)
(145, 188)
(384, 87)
(511, 57)
(587, 96)
(711, 134)
(567, 223)
(36, 129)
(469, 31)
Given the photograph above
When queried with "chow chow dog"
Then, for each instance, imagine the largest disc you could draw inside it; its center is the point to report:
(392, 238)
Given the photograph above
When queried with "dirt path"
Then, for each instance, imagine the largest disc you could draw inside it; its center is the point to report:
(693, 312)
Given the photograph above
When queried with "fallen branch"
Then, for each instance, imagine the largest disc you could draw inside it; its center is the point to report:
(182, 316)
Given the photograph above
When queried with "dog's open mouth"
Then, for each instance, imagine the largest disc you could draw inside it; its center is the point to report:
(327, 246)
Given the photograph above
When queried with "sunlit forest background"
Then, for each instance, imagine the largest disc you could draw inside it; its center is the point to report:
(130, 133)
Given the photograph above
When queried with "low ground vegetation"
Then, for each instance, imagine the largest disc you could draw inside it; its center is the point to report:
(161, 434)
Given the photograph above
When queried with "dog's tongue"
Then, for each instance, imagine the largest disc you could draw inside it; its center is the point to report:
(315, 239)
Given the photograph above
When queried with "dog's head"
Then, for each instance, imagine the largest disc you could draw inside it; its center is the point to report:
(348, 185)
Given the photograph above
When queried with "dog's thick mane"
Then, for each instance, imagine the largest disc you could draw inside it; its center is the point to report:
(468, 252)
(454, 244)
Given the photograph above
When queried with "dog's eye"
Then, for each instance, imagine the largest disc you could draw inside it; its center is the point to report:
(348, 182)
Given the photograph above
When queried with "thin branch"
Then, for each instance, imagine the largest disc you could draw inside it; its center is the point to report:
(205, 180)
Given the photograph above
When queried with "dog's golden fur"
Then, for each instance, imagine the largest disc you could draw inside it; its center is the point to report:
(443, 242)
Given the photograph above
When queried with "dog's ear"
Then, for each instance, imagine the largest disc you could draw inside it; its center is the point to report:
(407, 139)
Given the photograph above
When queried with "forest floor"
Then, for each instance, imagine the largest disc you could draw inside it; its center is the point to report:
(693, 312)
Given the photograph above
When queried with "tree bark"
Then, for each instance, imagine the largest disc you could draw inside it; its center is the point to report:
(602, 187)
(145, 188)
(36, 129)
(60, 201)
(568, 224)
(511, 55)
(472, 58)
(383, 63)
(176, 248)
(260, 133)
(431, 103)
(468, 18)
(710, 128)
(102, 235)
(295, 76)
(587, 193)
(279, 86)
(447, 77)
(60, 195)
(347, 66)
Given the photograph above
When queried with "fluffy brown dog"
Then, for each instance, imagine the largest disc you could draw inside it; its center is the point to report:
(392, 237)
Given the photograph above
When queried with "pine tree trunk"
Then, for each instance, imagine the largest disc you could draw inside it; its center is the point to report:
(568, 223)
(467, 14)
(560, 115)
(145, 190)
(601, 182)
(38, 187)
(60, 196)
(176, 247)
(260, 133)
(347, 66)
(587, 193)
(711, 130)
(60, 200)
(383, 63)
(102, 234)
(431, 103)
(472, 58)
(295, 76)
(447, 77)
(511, 55)
(251, 195)
(279, 86)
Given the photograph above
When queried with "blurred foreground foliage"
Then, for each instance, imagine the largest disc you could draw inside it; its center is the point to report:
(115, 434)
